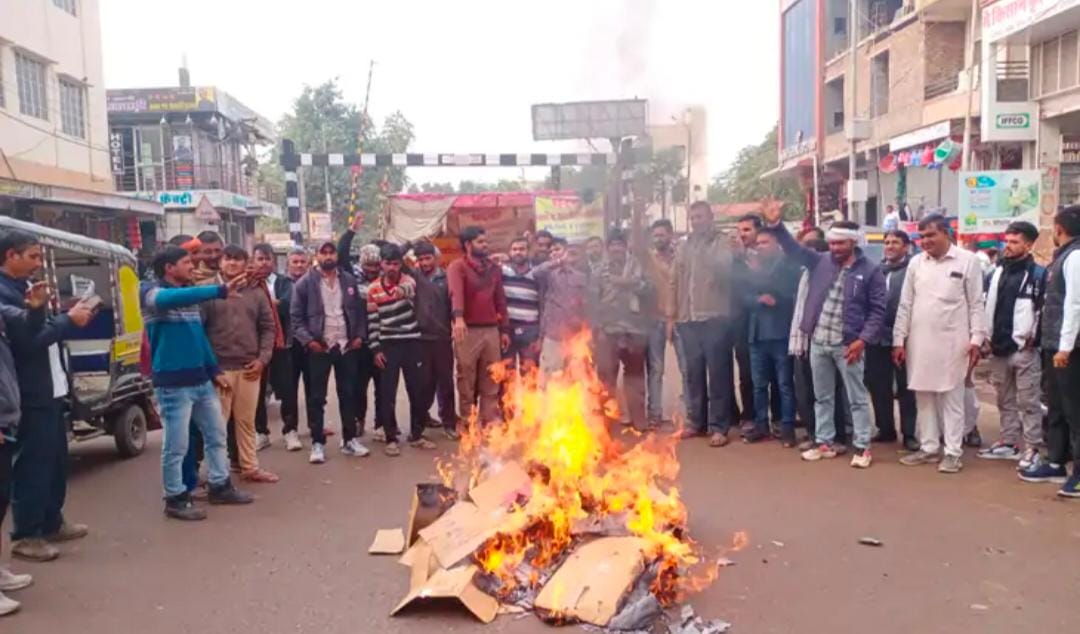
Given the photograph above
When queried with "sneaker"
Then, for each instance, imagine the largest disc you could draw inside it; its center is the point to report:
(787, 438)
(1045, 472)
(433, 423)
(861, 459)
(884, 437)
(823, 451)
(950, 464)
(262, 441)
(68, 532)
(1000, 451)
(318, 453)
(34, 549)
(1071, 488)
(840, 448)
(807, 445)
(226, 493)
(180, 507)
(1029, 459)
(422, 443)
(920, 457)
(355, 448)
(200, 493)
(392, 449)
(292, 441)
(973, 438)
(8, 606)
(911, 444)
(10, 582)
(452, 433)
(379, 435)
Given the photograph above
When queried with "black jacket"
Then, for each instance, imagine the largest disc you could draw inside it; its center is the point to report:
(30, 346)
(432, 305)
(895, 274)
(780, 279)
(283, 286)
(10, 400)
(307, 318)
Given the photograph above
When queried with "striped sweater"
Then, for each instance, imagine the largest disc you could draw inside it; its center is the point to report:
(391, 311)
(180, 353)
(522, 296)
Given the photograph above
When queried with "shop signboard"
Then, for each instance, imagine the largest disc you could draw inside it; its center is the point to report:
(144, 100)
(1006, 17)
(186, 199)
(183, 161)
(569, 217)
(990, 200)
(116, 151)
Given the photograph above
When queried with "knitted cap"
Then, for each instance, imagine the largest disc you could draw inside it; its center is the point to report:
(369, 253)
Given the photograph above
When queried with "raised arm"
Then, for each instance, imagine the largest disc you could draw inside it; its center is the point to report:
(160, 298)
(804, 256)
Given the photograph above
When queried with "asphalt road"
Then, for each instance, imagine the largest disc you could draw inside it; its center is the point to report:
(974, 552)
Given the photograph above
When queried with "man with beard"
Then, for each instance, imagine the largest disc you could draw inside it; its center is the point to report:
(328, 318)
(543, 243)
(885, 380)
(564, 278)
(659, 269)
(1013, 300)
(701, 290)
(39, 473)
(394, 337)
(481, 325)
(522, 306)
(747, 229)
(1061, 358)
(285, 368)
(621, 333)
(768, 296)
(844, 310)
(208, 262)
(436, 350)
(242, 333)
(367, 270)
(940, 327)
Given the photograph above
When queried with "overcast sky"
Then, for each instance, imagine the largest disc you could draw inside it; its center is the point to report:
(465, 72)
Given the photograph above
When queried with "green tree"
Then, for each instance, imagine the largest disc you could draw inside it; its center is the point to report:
(322, 121)
(743, 182)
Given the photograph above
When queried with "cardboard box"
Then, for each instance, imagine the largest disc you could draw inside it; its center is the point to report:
(388, 541)
(464, 528)
(502, 488)
(429, 502)
(592, 582)
(455, 583)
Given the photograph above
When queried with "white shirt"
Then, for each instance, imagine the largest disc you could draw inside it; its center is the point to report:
(1070, 314)
(56, 368)
(270, 281)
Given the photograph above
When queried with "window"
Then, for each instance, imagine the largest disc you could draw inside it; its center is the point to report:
(30, 74)
(73, 108)
(66, 5)
(879, 85)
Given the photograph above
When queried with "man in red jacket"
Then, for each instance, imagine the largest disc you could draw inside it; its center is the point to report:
(478, 307)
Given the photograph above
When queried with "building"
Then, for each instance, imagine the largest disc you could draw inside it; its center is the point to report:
(908, 108)
(54, 152)
(192, 150)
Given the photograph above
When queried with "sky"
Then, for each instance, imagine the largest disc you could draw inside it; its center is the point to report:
(465, 72)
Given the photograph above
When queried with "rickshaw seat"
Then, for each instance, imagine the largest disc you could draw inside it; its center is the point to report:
(90, 348)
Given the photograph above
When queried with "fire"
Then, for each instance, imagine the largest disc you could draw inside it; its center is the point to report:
(584, 481)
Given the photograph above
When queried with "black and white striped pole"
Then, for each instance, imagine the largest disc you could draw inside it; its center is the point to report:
(290, 162)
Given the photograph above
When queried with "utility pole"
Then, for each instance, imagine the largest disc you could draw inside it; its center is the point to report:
(853, 69)
(965, 158)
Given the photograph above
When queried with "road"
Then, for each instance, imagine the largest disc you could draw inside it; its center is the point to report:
(974, 552)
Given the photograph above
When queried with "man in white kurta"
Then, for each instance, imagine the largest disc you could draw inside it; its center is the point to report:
(940, 325)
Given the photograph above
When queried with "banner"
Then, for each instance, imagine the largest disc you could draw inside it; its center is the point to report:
(502, 224)
(568, 217)
(320, 227)
(989, 201)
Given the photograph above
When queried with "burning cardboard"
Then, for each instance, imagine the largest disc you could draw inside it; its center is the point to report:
(429, 502)
(589, 586)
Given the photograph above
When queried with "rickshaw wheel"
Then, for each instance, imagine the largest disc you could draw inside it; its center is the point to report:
(129, 431)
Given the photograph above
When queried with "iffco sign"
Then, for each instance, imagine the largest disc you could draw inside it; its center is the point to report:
(1009, 121)
(1019, 121)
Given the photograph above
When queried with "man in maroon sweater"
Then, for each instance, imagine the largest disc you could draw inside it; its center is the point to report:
(478, 307)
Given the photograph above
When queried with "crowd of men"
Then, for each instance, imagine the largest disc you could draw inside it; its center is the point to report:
(823, 338)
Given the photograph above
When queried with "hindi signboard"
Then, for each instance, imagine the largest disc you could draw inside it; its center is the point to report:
(568, 217)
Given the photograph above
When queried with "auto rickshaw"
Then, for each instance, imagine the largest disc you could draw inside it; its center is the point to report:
(108, 393)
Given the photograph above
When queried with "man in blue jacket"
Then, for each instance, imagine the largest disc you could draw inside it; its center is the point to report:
(185, 373)
(845, 310)
(39, 475)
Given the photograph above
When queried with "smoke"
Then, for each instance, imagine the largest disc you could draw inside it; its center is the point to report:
(634, 26)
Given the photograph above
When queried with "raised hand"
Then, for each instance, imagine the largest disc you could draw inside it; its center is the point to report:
(38, 295)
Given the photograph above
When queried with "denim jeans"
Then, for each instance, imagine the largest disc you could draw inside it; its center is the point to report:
(180, 407)
(654, 368)
(708, 374)
(770, 363)
(825, 361)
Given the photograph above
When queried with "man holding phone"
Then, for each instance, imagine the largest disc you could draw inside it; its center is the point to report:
(39, 475)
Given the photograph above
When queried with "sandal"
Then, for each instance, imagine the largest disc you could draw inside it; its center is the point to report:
(392, 449)
(718, 440)
(259, 475)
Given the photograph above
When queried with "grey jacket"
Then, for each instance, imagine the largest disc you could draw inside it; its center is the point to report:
(702, 279)
(10, 401)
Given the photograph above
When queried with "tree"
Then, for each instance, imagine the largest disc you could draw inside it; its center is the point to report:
(743, 182)
(322, 121)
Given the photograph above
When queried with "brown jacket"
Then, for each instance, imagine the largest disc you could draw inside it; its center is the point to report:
(240, 329)
(702, 279)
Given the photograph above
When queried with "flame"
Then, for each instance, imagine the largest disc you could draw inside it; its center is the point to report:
(557, 428)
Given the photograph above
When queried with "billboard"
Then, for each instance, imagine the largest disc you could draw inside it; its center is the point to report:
(589, 120)
(989, 201)
(143, 100)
